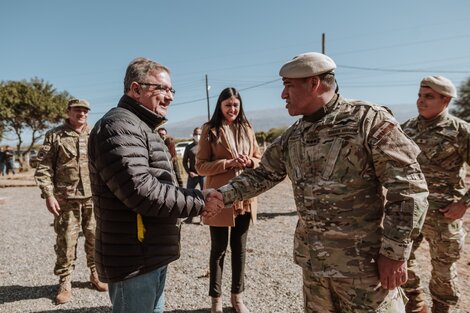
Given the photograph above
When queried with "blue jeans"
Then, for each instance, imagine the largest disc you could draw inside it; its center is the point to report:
(194, 181)
(141, 294)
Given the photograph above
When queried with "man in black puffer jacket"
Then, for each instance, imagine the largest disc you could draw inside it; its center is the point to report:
(136, 199)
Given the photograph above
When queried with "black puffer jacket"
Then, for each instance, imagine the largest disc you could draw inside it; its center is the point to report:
(131, 173)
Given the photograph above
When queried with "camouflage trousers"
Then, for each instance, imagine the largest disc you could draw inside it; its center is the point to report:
(361, 294)
(446, 238)
(67, 227)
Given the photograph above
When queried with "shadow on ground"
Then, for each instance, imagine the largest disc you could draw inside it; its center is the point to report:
(18, 293)
(266, 216)
(104, 309)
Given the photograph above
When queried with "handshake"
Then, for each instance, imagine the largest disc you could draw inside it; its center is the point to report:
(214, 203)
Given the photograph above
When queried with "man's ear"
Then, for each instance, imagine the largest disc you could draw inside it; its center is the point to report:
(316, 82)
(134, 90)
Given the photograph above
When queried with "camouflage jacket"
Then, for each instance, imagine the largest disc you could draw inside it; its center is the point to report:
(444, 142)
(63, 164)
(339, 160)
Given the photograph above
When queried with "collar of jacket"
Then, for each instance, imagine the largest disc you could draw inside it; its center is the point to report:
(435, 120)
(324, 110)
(150, 118)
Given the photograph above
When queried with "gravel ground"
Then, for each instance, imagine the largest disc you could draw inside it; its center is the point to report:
(273, 282)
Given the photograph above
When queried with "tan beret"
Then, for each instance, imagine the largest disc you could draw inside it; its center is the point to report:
(440, 84)
(307, 65)
(78, 103)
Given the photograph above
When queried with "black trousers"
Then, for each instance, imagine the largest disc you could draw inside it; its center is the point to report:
(219, 241)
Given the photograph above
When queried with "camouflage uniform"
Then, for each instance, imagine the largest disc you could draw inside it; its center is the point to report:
(338, 160)
(63, 173)
(444, 141)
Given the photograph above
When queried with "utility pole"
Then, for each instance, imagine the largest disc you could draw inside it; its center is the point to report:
(323, 43)
(207, 97)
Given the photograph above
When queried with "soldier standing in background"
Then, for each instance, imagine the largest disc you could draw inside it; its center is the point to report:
(444, 142)
(189, 165)
(171, 145)
(63, 177)
(339, 156)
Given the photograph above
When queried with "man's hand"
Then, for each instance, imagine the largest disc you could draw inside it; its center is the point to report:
(53, 205)
(392, 273)
(214, 203)
(454, 211)
(192, 174)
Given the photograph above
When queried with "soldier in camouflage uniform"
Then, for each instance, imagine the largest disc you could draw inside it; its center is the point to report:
(63, 177)
(339, 156)
(444, 142)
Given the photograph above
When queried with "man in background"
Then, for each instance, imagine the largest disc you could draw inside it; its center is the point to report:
(63, 177)
(171, 145)
(9, 156)
(3, 166)
(189, 164)
(444, 141)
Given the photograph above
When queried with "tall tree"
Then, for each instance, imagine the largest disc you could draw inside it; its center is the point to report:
(462, 103)
(33, 105)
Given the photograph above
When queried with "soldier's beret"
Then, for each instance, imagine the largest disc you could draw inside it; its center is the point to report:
(440, 84)
(307, 65)
(78, 103)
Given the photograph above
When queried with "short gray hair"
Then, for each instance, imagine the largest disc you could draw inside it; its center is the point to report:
(138, 70)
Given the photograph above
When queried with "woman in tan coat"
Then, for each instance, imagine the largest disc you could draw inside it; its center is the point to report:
(228, 146)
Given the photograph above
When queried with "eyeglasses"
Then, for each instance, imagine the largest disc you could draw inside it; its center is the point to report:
(159, 87)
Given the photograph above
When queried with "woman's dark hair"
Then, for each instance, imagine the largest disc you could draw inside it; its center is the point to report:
(218, 117)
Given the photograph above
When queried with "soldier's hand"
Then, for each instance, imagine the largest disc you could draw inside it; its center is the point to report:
(53, 205)
(454, 211)
(392, 273)
(213, 202)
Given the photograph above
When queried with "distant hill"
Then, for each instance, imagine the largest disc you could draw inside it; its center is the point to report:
(264, 120)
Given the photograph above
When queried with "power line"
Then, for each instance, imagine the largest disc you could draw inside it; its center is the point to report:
(215, 96)
(401, 71)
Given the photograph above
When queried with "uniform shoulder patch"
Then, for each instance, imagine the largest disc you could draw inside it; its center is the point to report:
(43, 152)
(382, 129)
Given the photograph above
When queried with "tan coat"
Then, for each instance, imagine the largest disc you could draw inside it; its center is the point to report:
(211, 162)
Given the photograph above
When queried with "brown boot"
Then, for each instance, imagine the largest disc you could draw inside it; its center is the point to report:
(216, 305)
(416, 302)
(64, 293)
(95, 281)
(440, 307)
(237, 303)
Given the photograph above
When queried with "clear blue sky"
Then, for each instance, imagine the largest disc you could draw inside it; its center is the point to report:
(382, 48)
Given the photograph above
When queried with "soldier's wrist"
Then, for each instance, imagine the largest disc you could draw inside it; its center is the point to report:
(466, 200)
(46, 195)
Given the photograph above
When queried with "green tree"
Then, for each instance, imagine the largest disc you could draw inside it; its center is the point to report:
(273, 133)
(261, 138)
(33, 105)
(462, 103)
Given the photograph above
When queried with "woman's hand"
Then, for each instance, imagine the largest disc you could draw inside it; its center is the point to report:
(245, 161)
(234, 164)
